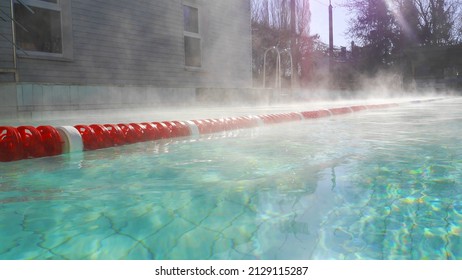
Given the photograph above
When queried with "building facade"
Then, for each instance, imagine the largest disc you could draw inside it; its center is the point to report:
(74, 54)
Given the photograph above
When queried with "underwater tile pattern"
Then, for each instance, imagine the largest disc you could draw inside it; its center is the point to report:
(373, 185)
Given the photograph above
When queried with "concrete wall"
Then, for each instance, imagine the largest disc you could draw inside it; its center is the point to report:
(27, 100)
(8, 101)
(22, 98)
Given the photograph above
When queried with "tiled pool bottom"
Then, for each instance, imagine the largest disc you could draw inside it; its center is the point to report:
(96, 208)
(374, 185)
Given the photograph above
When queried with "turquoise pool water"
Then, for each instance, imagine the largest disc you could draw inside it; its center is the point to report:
(380, 184)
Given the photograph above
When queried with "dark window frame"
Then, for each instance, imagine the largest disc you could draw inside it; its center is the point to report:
(43, 7)
(192, 36)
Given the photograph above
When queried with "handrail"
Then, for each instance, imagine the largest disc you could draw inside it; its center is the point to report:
(278, 67)
(288, 51)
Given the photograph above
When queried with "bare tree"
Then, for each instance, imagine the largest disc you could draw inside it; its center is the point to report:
(375, 27)
(275, 24)
(437, 21)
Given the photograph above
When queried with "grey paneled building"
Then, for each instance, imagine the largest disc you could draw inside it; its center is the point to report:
(74, 54)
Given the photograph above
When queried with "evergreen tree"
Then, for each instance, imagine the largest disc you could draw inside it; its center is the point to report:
(407, 19)
(385, 28)
(374, 26)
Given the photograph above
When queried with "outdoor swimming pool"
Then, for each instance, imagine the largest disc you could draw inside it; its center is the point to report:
(382, 184)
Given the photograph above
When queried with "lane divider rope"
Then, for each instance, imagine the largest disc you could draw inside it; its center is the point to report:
(24, 142)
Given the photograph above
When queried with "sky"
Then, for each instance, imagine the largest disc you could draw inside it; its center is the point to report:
(320, 21)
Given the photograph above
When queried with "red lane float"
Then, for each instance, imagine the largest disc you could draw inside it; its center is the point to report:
(129, 133)
(271, 119)
(231, 123)
(267, 119)
(11, 146)
(296, 116)
(163, 129)
(30, 142)
(116, 134)
(175, 129)
(234, 123)
(382, 106)
(184, 129)
(216, 125)
(139, 133)
(210, 126)
(358, 108)
(315, 114)
(88, 137)
(151, 132)
(251, 121)
(341, 111)
(203, 126)
(102, 136)
(51, 140)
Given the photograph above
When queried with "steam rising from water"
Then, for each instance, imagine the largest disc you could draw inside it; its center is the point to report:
(225, 66)
(303, 101)
(233, 95)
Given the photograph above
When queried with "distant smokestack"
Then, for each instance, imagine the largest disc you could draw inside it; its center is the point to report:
(331, 37)
(331, 30)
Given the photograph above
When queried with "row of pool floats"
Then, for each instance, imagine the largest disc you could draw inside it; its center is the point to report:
(24, 142)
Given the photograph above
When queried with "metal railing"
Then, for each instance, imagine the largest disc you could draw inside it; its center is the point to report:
(277, 83)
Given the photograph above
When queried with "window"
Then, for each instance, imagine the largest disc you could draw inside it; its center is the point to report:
(192, 39)
(43, 27)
